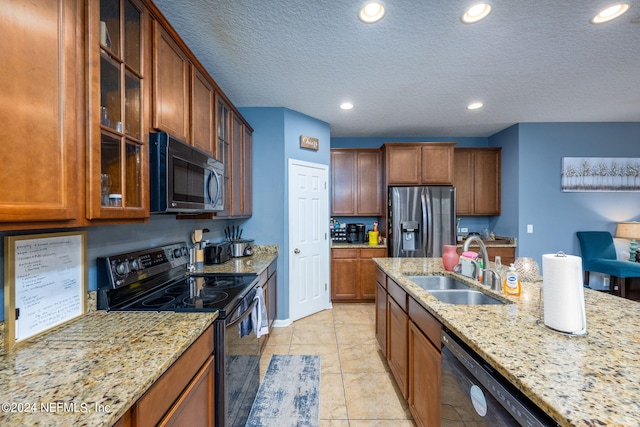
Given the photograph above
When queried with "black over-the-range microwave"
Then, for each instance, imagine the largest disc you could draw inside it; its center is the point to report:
(183, 178)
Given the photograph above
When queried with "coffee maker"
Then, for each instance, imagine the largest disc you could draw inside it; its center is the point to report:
(356, 233)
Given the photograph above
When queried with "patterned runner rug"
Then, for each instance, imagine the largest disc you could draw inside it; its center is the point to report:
(289, 395)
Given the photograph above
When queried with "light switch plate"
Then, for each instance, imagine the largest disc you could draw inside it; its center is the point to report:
(529, 228)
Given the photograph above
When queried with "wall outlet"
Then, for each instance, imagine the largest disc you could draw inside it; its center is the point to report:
(605, 282)
(530, 228)
(464, 230)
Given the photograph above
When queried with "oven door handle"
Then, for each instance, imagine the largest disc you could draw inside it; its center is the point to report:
(244, 316)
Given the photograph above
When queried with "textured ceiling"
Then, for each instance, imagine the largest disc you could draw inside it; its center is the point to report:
(414, 72)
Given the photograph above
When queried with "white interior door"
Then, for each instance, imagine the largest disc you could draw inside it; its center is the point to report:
(308, 239)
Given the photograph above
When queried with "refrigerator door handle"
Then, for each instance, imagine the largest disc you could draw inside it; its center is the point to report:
(427, 226)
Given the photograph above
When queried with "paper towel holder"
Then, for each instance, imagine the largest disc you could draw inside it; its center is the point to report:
(540, 320)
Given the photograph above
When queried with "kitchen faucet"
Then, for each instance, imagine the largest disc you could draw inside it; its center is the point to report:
(486, 280)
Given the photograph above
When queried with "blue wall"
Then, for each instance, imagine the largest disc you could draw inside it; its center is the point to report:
(276, 139)
(532, 157)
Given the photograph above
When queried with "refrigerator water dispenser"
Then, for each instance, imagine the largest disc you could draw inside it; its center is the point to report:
(410, 235)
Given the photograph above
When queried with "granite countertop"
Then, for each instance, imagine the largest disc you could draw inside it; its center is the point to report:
(591, 380)
(262, 257)
(89, 371)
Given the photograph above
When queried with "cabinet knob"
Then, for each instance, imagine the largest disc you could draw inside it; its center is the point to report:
(296, 251)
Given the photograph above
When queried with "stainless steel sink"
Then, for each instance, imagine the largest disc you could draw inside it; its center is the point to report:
(429, 283)
(464, 296)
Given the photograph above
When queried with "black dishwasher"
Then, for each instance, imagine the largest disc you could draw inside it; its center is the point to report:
(474, 394)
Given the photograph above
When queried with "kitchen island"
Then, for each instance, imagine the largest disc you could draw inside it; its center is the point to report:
(592, 380)
(91, 370)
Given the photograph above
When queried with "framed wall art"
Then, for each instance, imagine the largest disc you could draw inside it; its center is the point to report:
(589, 174)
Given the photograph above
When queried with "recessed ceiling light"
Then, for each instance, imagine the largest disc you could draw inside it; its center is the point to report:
(612, 12)
(476, 13)
(371, 12)
(346, 106)
(474, 105)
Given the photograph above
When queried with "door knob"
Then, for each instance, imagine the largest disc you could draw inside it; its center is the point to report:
(296, 251)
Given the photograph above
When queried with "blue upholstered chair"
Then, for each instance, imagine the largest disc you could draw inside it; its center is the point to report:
(599, 255)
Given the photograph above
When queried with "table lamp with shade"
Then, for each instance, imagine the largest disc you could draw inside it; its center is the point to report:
(629, 230)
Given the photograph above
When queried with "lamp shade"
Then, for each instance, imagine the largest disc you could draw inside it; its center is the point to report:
(628, 230)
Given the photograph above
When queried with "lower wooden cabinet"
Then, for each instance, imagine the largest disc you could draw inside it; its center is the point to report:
(397, 345)
(353, 274)
(381, 317)
(424, 379)
(269, 282)
(183, 395)
(195, 405)
(409, 336)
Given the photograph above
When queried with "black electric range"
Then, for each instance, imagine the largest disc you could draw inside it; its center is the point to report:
(156, 279)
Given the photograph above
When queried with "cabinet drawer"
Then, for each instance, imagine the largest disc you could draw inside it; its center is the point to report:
(344, 253)
(381, 278)
(428, 324)
(397, 293)
(373, 253)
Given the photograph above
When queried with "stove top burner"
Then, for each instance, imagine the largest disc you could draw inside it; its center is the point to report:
(221, 283)
(158, 301)
(205, 300)
(175, 290)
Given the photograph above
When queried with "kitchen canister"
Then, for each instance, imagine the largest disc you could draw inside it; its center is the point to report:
(563, 290)
(373, 238)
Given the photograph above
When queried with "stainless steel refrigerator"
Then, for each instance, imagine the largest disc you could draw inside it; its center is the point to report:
(421, 220)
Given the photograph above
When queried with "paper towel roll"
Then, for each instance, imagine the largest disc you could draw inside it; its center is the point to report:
(564, 293)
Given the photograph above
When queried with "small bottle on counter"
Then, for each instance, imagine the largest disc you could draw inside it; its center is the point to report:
(511, 284)
(498, 264)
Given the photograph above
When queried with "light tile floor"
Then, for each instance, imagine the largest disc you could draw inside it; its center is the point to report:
(356, 387)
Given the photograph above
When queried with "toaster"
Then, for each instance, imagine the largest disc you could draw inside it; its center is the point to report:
(217, 253)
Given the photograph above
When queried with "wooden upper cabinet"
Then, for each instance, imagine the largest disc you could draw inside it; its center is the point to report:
(403, 165)
(223, 148)
(119, 60)
(477, 180)
(202, 113)
(487, 181)
(240, 168)
(247, 176)
(463, 180)
(419, 163)
(42, 129)
(369, 198)
(171, 69)
(356, 182)
(437, 164)
(343, 182)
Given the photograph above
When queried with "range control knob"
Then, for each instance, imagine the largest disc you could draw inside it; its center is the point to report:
(135, 264)
(122, 268)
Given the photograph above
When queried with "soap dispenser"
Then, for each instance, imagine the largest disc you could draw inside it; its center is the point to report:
(511, 284)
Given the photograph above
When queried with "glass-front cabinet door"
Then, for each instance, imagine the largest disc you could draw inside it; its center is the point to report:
(117, 186)
(223, 152)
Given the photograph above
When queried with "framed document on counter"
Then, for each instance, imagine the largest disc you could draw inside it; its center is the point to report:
(45, 283)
